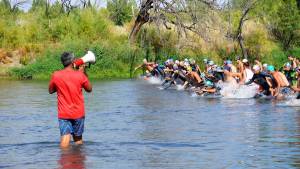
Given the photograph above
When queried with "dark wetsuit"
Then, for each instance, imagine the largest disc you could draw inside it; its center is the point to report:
(289, 75)
(298, 84)
(219, 76)
(261, 79)
(273, 81)
(180, 74)
(298, 96)
(177, 73)
(159, 69)
(195, 68)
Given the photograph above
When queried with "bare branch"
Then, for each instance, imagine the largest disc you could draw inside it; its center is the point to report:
(185, 12)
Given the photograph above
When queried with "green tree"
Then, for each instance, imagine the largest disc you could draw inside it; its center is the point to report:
(12, 6)
(286, 24)
(120, 10)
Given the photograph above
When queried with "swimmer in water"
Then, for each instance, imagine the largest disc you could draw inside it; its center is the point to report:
(282, 85)
(297, 88)
(260, 78)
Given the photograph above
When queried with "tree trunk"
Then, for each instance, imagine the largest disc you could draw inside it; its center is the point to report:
(242, 46)
(47, 8)
(240, 31)
(142, 18)
(133, 55)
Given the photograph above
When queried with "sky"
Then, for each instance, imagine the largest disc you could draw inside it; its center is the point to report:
(26, 6)
(100, 3)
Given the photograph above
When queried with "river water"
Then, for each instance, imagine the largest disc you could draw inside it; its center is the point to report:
(131, 124)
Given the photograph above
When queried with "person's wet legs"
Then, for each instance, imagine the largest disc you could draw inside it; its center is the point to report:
(65, 140)
(78, 140)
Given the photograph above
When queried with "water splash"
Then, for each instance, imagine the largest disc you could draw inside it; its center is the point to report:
(160, 88)
(180, 87)
(194, 95)
(291, 103)
(234, 90)
(154, 80)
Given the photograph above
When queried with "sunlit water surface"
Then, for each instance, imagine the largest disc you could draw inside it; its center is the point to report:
(133, 124)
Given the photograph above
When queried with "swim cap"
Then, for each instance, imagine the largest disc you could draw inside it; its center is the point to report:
(181, 63)
(219, 69)
(211, 62)
(256, 68)
(186, 64)
(228, 62)
(271, 68)
(205, 61)
(208, 83)
(287, 64)
(177, 62)
(175, 66)
(265, 65)
(245, 61)
(192, 61)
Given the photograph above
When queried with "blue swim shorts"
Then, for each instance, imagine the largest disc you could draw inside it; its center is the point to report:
(71, 126)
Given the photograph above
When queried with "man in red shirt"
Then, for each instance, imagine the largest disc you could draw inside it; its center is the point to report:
(68, 84)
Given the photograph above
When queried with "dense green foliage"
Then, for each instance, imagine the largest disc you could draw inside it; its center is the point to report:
(270, 33)
(46, 36)
(285, 23)
(112, 62)
(121, 10)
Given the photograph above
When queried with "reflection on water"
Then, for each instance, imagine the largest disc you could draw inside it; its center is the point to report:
(132, 124)
(72, 158)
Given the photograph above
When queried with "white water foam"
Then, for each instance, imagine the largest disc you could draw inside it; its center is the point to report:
(194, 95)
(154, 80)
(160, 88)
(234, 90)
(291, 103)
(180, 87)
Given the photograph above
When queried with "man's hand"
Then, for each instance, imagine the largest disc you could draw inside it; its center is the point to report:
(82, 68)
(52, 87)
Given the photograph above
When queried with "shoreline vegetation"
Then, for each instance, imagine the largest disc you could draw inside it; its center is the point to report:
(31, 41)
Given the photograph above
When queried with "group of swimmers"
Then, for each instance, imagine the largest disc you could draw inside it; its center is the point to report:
(271, 82)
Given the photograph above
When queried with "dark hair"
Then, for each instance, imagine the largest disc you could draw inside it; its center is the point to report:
(247, 64)
(67, 58)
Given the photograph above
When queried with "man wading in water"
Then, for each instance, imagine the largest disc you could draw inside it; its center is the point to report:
(68, 84)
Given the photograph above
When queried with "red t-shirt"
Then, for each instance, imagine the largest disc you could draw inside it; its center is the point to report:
(68, 84)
